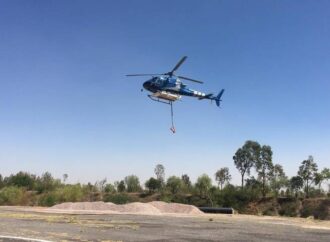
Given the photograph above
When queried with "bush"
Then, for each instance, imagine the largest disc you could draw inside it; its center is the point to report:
(48, 199)
(235, 197)
(308, 208)
(70, 193)
(11, 196)
(270, 211)
(290, 208)
(322, 211)
(119, 198)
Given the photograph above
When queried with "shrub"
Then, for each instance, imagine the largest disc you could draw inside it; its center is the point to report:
(118, 198)
(269, 211)
(234, 197)
(322, 211)
(290, 208)
(308, 207)
(48, 199)
(70, 193)
(11, 195)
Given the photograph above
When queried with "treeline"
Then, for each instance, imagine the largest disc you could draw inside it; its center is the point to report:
(261, 180)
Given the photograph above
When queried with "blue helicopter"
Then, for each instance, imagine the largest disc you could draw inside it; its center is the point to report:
(168, 88)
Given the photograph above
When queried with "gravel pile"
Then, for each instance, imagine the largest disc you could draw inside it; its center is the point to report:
(151, 208)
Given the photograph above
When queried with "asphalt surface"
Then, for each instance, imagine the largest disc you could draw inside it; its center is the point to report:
(66, 227)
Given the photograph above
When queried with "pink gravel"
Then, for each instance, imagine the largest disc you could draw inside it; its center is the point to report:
(151, 208)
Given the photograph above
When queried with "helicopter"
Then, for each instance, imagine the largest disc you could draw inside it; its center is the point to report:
(168, 88)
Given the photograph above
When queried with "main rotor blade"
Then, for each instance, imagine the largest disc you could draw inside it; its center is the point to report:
(178, 65)
(189, 79)
(144, 75)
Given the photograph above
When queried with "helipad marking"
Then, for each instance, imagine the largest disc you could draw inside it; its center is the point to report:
(23, 238)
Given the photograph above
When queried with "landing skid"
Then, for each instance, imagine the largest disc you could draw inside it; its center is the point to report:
(169, 103)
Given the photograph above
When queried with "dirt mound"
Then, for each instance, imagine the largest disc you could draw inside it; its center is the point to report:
(136, 208)
(176, 208)
(151, 208)
(84, 206)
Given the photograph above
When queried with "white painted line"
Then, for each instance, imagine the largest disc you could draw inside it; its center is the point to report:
(23, 238)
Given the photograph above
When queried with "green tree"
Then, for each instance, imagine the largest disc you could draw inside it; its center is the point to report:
(318, 179)
(321, 176)
(203, 185)
(153, 184)
(109, 188)
(264, 167)
(100, 185)
(47, 183)
(88, 191)
(326, 174)
(246, 157)
(222, 176)
(307, 172)
(174, 184)
(65, 177)
(278, 179)
(132, 183)
(186, 180)
(121, 186)
(160, 173)
(1, 182)
(186, 183)
(22, 179)
(296, 183)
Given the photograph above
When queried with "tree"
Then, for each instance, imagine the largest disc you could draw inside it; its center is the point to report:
(22, 179)
(307, 171)
(296, 183)
(326, 174)
(101, 186)
(222, 176)
(1, 181)
(65, 177)
(132, 183)
(174, 184)
(160, 173)
(264, 166)
(321, 176)
(246, 157)
(278, 179)
(47, 183)
(153, 184)
(109, 188)
(186, 182)
(318, 179)
(121, 186)
(203, 184)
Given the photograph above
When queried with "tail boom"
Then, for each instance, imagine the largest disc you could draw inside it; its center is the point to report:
(216, 98)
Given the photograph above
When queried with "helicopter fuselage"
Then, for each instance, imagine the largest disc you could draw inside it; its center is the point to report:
(162, 85)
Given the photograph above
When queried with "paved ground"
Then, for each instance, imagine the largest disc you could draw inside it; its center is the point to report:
(78, 227)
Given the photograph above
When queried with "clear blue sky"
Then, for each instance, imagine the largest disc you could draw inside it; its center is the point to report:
(66, 106)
